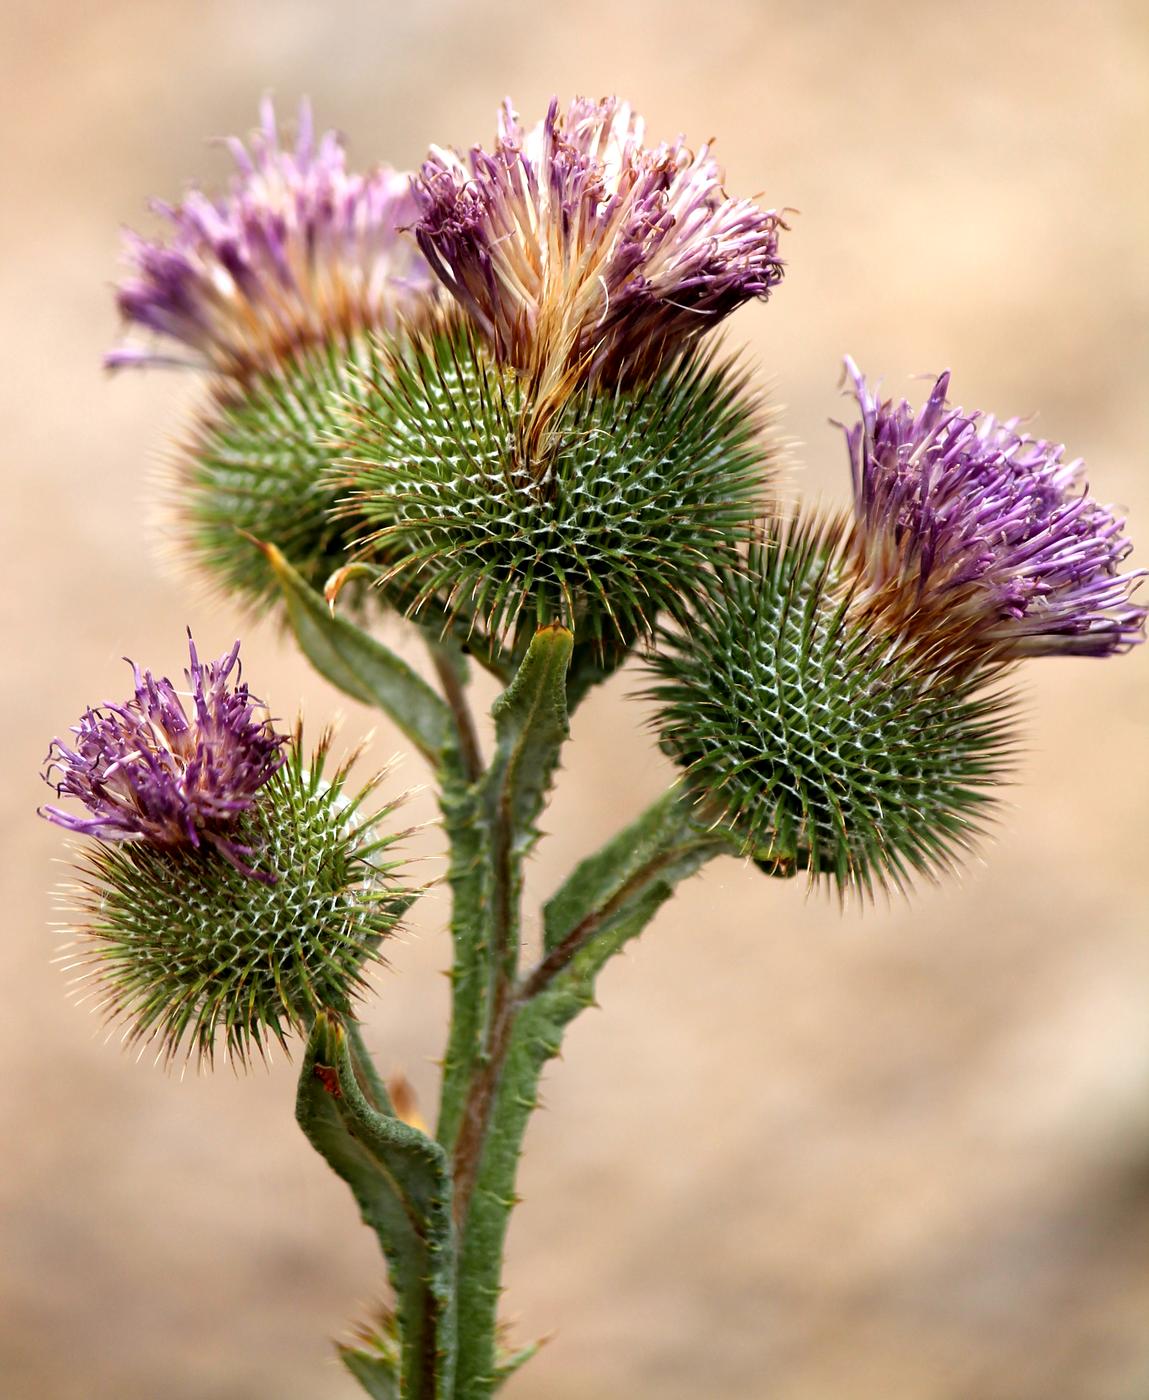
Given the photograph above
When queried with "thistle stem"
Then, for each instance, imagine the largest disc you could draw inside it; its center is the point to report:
(448, 670)
(607, 900)
(504, 947)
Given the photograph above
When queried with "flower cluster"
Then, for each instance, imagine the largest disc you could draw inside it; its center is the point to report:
(538, 436)
(580, 252)
(301, 251)
(973, 534)
(147, 769)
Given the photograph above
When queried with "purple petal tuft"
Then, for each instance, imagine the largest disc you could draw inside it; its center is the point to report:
(577, 249)
(300, 251)
(970, 531)
(148, 769)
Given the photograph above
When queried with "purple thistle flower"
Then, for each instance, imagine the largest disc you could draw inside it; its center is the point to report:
(146, 769)
(301, 251)
(981, 537)
(581, 253)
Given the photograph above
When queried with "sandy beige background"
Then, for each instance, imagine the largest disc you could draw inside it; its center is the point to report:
(894, 1156)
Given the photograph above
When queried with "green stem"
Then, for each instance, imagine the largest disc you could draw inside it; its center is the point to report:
(530, 730)
(470, 938)
(441, 1209)
(607, 900)
(451, 671)
(461, 805)
(503, 943)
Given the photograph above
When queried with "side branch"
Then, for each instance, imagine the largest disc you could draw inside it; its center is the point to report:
(616, 906)
(449, 671)
(663, 846)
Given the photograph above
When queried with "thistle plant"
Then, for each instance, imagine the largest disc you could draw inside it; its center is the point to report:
(488, 397)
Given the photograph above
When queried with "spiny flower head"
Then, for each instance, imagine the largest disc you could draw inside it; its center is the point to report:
(974, 535)
(253, 468)
(816, 740)
(301, 251)
(636, 494)
(583, 254)
(185, 951)
(149, 769)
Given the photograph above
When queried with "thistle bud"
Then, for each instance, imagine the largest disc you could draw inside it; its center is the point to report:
(232, 889)
(275, 289)
(566, 455)
(820, 742)
(257, 468)
(600, 527)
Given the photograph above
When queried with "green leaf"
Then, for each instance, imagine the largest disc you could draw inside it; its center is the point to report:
(400, 1179)
(363, 667)
(378, 1375)
(510, 1362)
(530, 728)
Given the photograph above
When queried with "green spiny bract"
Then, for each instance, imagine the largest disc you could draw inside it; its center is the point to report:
(600, 520)
(185, 950)
(256, 468)
(818, 742)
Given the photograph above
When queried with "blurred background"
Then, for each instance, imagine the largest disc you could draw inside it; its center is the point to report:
(896, 1154)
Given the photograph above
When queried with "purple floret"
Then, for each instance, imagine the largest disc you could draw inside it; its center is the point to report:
(146, 769)
(970, 528)
(301, 251)
(575, 248)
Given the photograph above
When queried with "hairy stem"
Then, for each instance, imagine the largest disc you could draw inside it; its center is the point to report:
(470, 937)
(503, 941)
(606, 901)
(448, 665)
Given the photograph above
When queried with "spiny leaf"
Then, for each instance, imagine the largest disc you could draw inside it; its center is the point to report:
(363, 667)
(510, 1362)
(401, 1181)
(377, 1374)
(530, 728)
